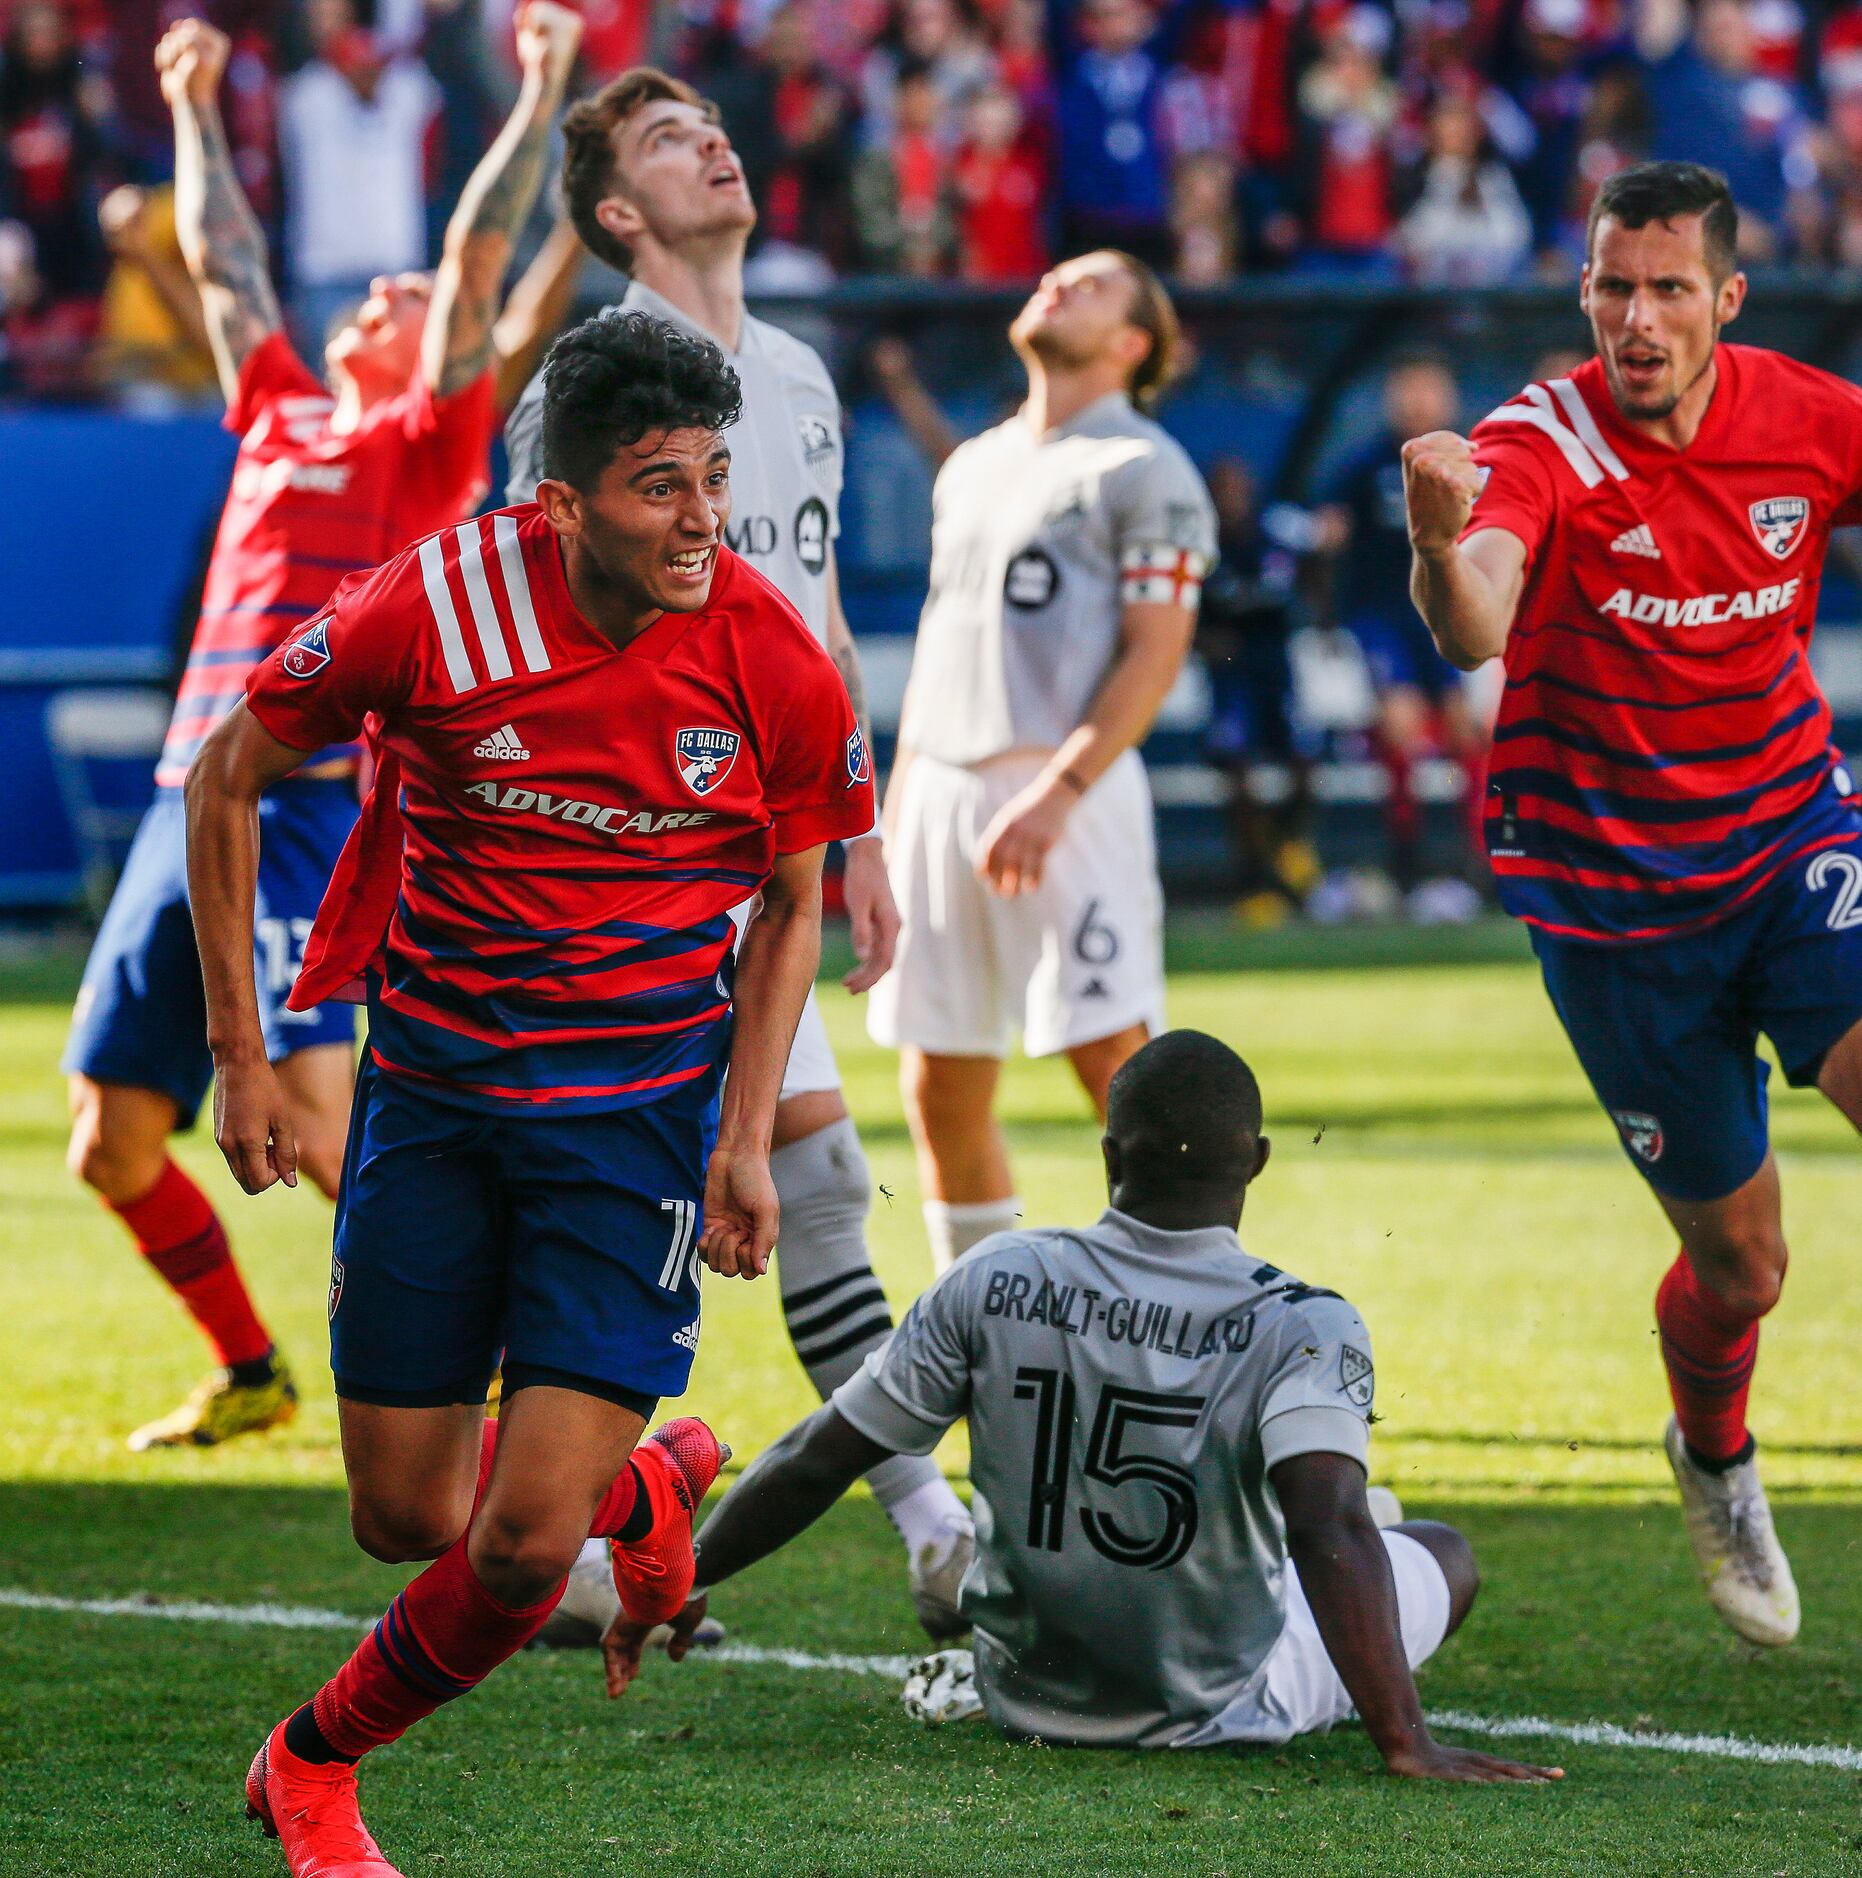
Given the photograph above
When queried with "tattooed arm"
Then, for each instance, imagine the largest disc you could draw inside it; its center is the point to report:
(220, 237)
(457, 346)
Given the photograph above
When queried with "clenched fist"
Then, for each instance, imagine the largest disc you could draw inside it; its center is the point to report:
(547, 37)
(190, 58)
(1440, 481)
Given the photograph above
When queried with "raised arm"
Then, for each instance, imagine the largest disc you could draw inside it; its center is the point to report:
(872, 913)
(236, 765)
(1345, 1573)
(1466, 591)
(220, 237)
(534, 310)
(499, 196)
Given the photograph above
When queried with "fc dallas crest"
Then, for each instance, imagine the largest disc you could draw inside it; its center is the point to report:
(1778, 522)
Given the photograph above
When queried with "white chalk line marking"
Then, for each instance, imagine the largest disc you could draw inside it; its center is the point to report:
(1591, 1734)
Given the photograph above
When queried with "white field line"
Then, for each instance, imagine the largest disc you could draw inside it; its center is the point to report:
(1591, 1734)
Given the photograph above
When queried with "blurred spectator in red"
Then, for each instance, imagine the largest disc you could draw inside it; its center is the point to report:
(53, 155)
(1345, 170)
(352, 133)
(940, 36)
(1000, 179)
(1114, 184)
(806, 144)
(900, 186)
(1204, 229)
(1464, 224)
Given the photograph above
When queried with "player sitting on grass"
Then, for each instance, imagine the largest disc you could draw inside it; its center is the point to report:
(1157, 1421)
(540, 902)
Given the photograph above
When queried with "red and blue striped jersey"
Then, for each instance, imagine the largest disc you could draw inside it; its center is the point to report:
(308, 506)
(539, 890)
(1662, 748)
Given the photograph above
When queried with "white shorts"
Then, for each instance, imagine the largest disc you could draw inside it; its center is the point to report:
(1301, 1692)
(811, 1064)
(1082, 957)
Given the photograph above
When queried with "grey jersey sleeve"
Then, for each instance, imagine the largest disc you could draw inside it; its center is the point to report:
(523, 444)
(1159, 502)
(1320, 1399)
(917, 1383)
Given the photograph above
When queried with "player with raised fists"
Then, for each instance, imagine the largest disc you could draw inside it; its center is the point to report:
(1643, 544)
(329, 478)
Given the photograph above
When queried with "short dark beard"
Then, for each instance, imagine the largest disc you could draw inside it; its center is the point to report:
(1654, 414)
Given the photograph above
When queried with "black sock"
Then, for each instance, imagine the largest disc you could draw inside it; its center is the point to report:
(305, 1739)
(1748, 1448)
(256, 1374)
(639, 1522)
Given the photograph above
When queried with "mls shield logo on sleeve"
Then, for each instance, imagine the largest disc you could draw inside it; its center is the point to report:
(309, 652)
(859, 769)
(1357, 1381)
(1778, 522)
(705, 757)
(1643, 1133)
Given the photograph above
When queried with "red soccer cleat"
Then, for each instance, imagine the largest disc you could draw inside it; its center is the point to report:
(677, 1463)
(311, 1811)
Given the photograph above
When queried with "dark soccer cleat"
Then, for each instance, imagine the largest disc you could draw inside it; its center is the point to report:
(676, 1464)
(312, 1812)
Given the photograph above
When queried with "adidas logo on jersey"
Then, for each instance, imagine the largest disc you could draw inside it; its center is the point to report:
(503, 746)
(1637, 540)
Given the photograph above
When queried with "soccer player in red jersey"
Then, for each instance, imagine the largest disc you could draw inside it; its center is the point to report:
(327, 480)
(1642, 543)
(600, 732)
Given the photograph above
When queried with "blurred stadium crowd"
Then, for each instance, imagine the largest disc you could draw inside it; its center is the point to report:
(1439, 140)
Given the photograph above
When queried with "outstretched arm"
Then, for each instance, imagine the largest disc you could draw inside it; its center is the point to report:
(1345, 1572)
(499, 196)
(220, 237)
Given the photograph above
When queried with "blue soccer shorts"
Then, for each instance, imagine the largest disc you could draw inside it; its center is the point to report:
(568, 1242)
(1668, 1032)
(141, 1017)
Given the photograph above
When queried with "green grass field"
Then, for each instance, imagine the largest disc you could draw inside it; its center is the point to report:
(1438, 1159)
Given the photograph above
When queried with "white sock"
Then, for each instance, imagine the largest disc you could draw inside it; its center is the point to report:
(952, 1230)
(928, 1515)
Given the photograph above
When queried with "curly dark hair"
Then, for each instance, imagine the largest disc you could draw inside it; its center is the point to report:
(622, 376)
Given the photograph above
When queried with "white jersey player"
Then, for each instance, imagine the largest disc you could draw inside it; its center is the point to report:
(655, 189)
(1068, 549)
(1160, 1426)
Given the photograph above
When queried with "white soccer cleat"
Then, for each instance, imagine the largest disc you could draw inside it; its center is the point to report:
(942, 1688)
(590, 1604)
(1386, 1508)
(1742, 1566)
(936, 1578)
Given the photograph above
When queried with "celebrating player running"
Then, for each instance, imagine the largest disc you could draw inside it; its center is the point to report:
(1067, 554)
(657, 191)
(322, 485)
(539, 898)
(1643, 543)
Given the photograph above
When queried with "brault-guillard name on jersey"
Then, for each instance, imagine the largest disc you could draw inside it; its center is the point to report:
(1140, 1322)
(605, 820)
(1704, 609)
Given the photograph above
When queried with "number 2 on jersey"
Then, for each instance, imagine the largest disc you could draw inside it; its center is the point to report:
(1107, 1463)
(1834, 867)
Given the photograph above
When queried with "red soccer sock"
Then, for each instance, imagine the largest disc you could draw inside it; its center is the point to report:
(1710, 1352)
(438, 1640)
(178, 1232)
(617, 1507)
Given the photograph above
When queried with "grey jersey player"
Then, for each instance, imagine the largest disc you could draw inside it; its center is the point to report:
(655, 189)
(1173, 1543)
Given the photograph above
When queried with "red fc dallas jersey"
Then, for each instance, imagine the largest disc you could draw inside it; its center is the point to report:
(307, 507)
(1662, 748)
(546, 920)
